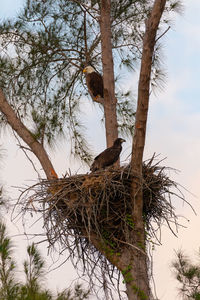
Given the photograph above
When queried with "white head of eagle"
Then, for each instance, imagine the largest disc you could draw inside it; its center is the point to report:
(88, 70)
(94, 82)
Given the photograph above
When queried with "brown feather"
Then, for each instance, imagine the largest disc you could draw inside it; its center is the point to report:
(95, 84)
(108, 157)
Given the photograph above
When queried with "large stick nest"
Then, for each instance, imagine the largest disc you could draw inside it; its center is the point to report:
(77, 207)
(100, 203)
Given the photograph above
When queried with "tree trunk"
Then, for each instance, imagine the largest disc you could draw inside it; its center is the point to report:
(108, 74)
(27, 137)
(137, 284)
(152, 24)
(133, 260)
(139, 265)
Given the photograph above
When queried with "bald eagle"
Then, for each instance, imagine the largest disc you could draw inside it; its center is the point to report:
(94, 82)
(108, 157)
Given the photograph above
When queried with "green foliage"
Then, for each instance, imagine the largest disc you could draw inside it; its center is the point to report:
(128, 278)
(8, 286)
(44, 50)
(34, 269)
(141, 294)
(188, 276)
(77, 294)
(129, 221)
(127, 274)
(125, 115)
(2, 201)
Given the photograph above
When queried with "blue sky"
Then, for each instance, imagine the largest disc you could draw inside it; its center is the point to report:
(173, 131)
(9, 8)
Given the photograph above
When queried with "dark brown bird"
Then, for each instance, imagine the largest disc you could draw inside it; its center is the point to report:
(94, 82)
(108, 157)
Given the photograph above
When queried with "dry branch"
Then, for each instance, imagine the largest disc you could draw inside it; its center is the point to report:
(79, 207)
(26, 136)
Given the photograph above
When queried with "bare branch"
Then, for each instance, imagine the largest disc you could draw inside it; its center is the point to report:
(163, 33)
(27, 136)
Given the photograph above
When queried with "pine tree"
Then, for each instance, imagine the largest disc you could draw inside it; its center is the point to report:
(8, 286)
(46, 48)
(34, 270)
(188, 276)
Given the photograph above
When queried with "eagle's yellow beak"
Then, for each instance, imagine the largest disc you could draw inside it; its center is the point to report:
(84, 70)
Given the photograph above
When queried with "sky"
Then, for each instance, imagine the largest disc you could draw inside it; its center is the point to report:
(173, 132)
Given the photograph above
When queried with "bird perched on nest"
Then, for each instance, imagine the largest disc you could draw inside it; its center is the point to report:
(108, 157)
(94, 83)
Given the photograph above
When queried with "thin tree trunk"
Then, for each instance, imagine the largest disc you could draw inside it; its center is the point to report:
(152, 24)
(108, 74)
(27, 137)
(139, 270)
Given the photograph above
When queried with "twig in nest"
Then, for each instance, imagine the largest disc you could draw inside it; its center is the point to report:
(76, 207)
